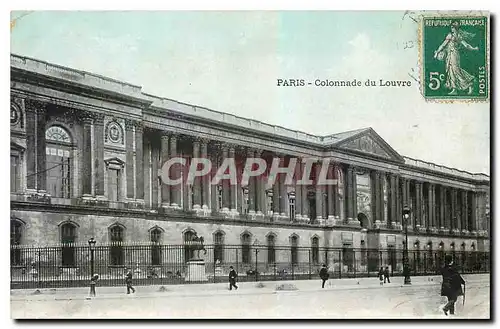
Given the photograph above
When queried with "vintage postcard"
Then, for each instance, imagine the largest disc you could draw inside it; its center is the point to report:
(250, 165)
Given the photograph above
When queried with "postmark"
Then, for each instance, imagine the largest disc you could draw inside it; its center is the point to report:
(454, 57)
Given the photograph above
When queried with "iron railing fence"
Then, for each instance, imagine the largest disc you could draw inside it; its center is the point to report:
(70, 265)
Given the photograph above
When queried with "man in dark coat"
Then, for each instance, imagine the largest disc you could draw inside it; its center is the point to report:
(386, 274)
(452, 284)
(323, 274)
(128, 281)
(232, 278)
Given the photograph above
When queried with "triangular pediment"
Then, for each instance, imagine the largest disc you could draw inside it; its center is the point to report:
(369, 142)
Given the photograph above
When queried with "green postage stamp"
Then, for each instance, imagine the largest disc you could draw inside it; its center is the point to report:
(454, 57)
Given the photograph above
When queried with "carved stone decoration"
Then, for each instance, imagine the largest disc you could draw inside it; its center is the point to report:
(114, 133)
(366, 144)
(15, 115)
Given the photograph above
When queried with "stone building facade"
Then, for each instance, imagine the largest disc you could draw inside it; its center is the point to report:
(86, 154)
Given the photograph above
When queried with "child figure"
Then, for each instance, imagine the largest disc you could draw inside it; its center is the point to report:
(93, 282)
(381, 275)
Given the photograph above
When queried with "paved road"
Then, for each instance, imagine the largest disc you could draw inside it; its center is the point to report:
(390, 301)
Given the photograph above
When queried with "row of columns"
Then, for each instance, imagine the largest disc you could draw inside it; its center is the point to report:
(442, 207)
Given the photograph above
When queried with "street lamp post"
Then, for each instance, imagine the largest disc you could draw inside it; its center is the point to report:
(406, 270)
(255, 244)
(92, 248)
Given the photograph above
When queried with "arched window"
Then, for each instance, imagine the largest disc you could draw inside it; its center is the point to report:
(58, 162)
(271, 251)
(155, 238)
(68, 238)
(294, 242)
(188, 249)
(219, 246)
(245, 248)
(315, 250)
(116, 233)
(16, 231)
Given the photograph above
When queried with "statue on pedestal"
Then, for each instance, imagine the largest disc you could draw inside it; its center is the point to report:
(196, 244)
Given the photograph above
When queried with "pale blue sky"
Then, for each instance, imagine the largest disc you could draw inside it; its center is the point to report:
(229, 61)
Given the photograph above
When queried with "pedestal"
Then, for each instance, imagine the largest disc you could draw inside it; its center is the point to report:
(196, 271)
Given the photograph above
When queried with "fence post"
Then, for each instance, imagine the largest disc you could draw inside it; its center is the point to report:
(309, 264)
(341, 264)
(256, 253)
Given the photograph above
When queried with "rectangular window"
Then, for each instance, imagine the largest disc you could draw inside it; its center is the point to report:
(113, 184)
(291, 205)
(14, 173)
(58, 173)
(245, 253)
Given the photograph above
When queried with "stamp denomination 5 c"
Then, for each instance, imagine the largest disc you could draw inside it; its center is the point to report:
(454, 57)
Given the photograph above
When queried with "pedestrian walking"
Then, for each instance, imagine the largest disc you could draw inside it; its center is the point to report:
(381, 275)
(386, 274)
(323, 274)
(232, 278)
(93, 282)
(128, 281)
(452, 284)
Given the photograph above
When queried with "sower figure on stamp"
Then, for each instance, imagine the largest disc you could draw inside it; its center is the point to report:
(449, 51)
(323, 274)
(232, 278)
(128, 281)
(452, 285)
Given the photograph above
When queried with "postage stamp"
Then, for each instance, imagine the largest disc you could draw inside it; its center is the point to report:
(454, 57)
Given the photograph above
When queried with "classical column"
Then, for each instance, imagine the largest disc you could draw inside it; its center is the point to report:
(232, 155)
(276, 197)
(336, 194)
(442, 206)
(197, 179)
(86, 165)
(31, 122)
(305, 190)
(165, 188)
(139, 158)
(283, 193)
(374, 187)
(251, 187)
(214, 190)
(447, 209)
(146, 167)
(354, 195)
(298, 190)
(393, 208)
(175, 190)
(381, 197)
(432, 207)
(455, 222)
(399, 209)
(41, 177)
(330, 194)
(319, 194)
(465, 213)
(154, 175)
(260, 196)
(129, 158)
(226, 202)
(99, 154)
(349, 198)
(418, 201)
(186, 187)
(206, 178)
(473, 213)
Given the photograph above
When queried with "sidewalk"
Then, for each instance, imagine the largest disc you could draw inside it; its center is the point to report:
(245, 288)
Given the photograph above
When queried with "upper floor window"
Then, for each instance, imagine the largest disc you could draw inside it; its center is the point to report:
(58, 162)
(14, 173)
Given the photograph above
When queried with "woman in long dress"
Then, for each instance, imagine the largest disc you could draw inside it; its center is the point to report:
(456, 77)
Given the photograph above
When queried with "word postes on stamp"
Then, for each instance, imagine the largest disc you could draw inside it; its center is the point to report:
(454, 57)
